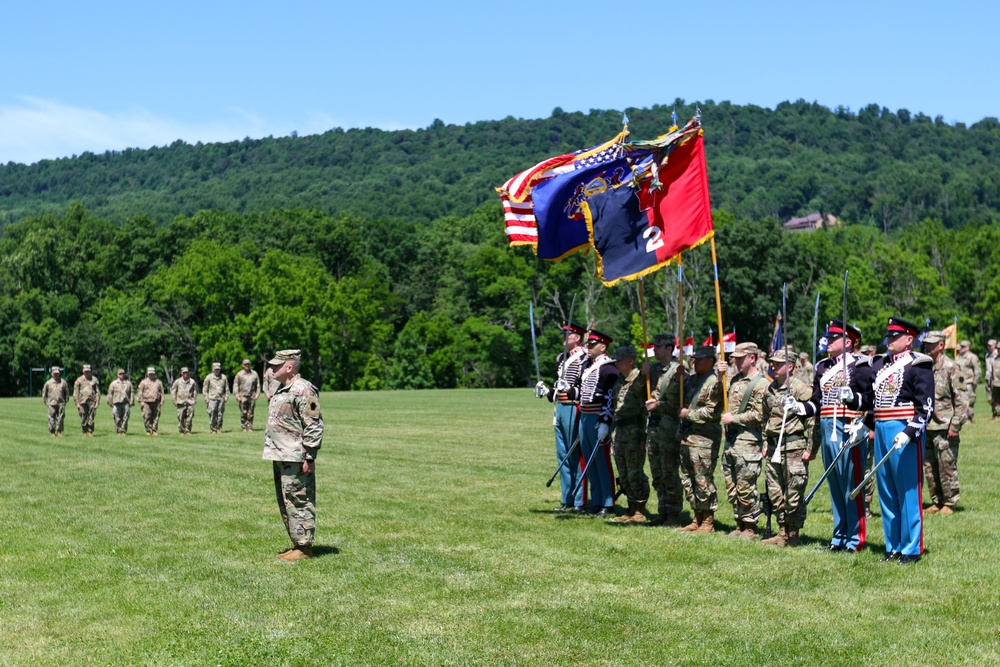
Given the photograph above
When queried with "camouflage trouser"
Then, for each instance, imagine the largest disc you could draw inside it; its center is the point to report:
(971, 392)
(741, 468)
(786, 483)
(57, 413)
(215, 411)
(185, 415)
(941, 467)
(699, 456)
(995, 393)
(629, 451)
(120, 413)
(664, 451)
(296, 501)
(246, 412)
(151, 416)
(87, 411)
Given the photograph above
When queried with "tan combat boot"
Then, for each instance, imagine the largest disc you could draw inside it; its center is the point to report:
(738, 531)
(778, 540)
(639, 516)
(298, 553)
(625, 518)
(947, 511)
(695, 522)
(793, 538)
(933, 509)
(707, 524)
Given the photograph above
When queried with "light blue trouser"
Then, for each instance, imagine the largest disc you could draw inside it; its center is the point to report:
(899, 490)
(602, 490)
(570, 471)
(848, 515)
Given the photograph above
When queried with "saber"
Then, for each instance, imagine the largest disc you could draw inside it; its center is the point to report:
(885, 459)
(534, 344)
(835, 436)
(826, 473)
(583, 475)
(563, 462)
(815, 325)
(569, 320)
(776, 458)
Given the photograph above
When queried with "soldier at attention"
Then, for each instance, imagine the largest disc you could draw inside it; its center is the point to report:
(700, 433)
(184, 394)
(87, 396)
(55, 394)
(950, 413)
(662, 446)
(151, 397)
(216, 391)
(246, 388)
(628, 436)
(292, 440)
(121, 398)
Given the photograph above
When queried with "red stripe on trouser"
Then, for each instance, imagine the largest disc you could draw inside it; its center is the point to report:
(859, 501)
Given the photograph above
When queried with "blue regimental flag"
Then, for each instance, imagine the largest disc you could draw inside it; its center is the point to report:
(562, 227)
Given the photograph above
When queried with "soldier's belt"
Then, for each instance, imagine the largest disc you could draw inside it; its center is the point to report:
(564, 399)
(789, 438)
(827, 412)
(594, 409)
(894, 414)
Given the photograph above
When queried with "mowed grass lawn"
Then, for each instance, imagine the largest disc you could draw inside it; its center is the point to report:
(438, 545)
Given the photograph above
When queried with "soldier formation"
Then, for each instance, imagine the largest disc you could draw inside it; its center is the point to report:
(150, 394)
(897, 415)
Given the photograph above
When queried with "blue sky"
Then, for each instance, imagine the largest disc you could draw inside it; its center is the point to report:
(109, 75)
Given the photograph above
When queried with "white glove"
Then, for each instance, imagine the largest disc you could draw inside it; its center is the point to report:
(602, 432)
(561, 386)
(800, 409)
(845, 395)
(541, 391)
(901, 440)
(853, 429)
(790, 404)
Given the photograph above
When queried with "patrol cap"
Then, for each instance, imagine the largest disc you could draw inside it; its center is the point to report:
(245, 362)
(804, 355)
(625, 352)
(184, 369)
(121, 371)
(150, 370)
(743, 349)
(55, 369)
(897, 326)
(991, 341)
(573, 327)
(779, 356)
(934, 337)
(964, 343)
(216, 365)
(86, 367)
(598, 337)
(836, 329)
(705, 352)
(665, 339)
(284, 356)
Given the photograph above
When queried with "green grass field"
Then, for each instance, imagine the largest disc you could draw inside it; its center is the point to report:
(438, 545)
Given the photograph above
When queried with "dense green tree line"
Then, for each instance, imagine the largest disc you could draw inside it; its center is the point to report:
(379, 303)
(879, 167)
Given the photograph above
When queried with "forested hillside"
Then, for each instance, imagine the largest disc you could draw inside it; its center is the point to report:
(874, 166)
(382, 254)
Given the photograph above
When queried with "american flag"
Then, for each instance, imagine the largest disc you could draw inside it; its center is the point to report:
(518, 210)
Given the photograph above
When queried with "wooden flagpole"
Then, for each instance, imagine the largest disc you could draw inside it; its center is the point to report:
(718, 313)
(680, 322)
(642, 314)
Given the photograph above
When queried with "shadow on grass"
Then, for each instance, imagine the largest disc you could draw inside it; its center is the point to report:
(324, 550)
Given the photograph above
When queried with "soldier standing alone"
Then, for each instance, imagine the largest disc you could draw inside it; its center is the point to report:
(950, 413)
(246, 388)
(150, 401)
(291, 442)
(216, 391)
(87, 396)
(121, 399)
(184, 394)
(55, 394)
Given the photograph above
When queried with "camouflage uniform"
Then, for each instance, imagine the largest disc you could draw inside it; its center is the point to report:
(741, 460)
(150, 397)
(662, 445)
(786, 480)
(87, 396)
(940, 451)
(294, 434)
(968, 366)
(246, 388)
(991, 356)
(994, 383)
(270, 385)
(55, 394)
(700, 433)
(803, 371)
(216, 391)
(184, 394)
(628, 437)
(121, 399)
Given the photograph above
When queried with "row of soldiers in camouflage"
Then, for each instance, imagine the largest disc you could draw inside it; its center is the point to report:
(680, 428)
(246, 387)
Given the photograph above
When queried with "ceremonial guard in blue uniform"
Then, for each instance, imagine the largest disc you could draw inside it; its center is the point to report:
(570, 366)
(849, 528)
(597, 383)
(900, 390)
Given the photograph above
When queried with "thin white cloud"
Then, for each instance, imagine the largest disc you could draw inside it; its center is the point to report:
(33, 129)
